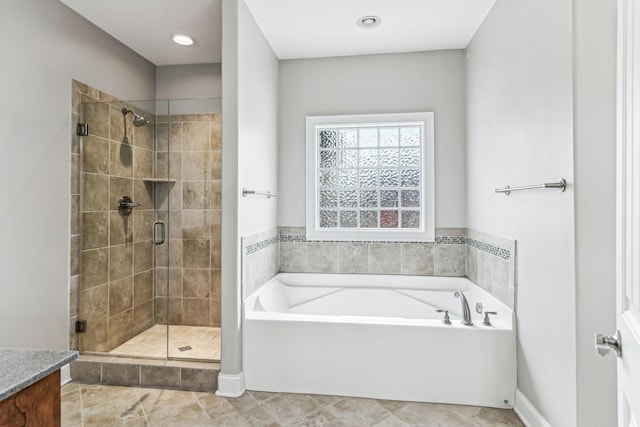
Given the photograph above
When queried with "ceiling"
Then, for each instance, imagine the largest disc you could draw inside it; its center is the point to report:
(146, 27)
(294, 28)
(321, 28)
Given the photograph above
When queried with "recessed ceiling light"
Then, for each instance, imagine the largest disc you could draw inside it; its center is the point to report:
(368, 22)
(182, 39)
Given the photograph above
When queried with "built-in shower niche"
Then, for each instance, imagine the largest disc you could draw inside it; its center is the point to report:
(141, 175)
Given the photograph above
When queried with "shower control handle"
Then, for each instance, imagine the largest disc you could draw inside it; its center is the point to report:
(154, 239)
(126, 205)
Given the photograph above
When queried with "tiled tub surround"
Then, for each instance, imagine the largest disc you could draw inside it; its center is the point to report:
(487, 260)
(260, 259)
(116, 258)
(189, 153)
(491, 264)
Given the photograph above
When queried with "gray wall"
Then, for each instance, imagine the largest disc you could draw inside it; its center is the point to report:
(594, 153)
(520, 132)
(404, 82)
(194, 81)
(55, 45)
(249, 134)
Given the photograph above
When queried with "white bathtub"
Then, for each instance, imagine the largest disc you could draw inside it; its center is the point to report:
(380, 337)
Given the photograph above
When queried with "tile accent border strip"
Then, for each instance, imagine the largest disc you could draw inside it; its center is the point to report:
(440, 240)
(263, 244)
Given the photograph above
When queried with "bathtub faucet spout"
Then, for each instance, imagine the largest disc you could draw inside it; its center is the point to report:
(466, 313)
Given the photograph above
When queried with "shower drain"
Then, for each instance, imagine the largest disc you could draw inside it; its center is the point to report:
(185, 348)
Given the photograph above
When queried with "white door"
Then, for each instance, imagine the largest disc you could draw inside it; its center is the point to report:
(628, 213)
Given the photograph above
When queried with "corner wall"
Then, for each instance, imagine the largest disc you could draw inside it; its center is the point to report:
(249, 132)
(59, 46)
(519, 117)
(594, 71)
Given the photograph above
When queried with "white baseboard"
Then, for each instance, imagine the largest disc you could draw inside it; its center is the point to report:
(230, 385)
(528, 413)
(65, 374)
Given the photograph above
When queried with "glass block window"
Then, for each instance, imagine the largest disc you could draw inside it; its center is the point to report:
(370, 177)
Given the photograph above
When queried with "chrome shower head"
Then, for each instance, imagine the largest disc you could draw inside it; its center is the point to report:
(138, 120)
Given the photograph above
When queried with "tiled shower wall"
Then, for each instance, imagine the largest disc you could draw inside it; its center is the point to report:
(116, 294)
(116, 258)
(489, 261)
(189, 153)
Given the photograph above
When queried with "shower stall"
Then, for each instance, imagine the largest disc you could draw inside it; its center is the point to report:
(148, 210)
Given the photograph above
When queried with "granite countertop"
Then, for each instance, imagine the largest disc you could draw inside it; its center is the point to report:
(20, 367)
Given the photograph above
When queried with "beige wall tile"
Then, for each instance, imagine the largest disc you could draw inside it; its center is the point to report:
(196, 253)
(195, 311)
(75, 214)
(120, 159)
(143, 163)
(215, 129)
(176, 311)
(160, 314)
(119, 187)
(75, 139)
(184, 118)
(74, 255)
(95, 267)
(175, 137)
(96, 115)
(162, 137)
(95, 191)
(117, 122)
(95, 155)
(142, 256)
(196, 282)
(216, 194)
(216, 164)
(120, 261)
(120, 295)
(214, 312)
(216, 283)
(196, 136)
(216, 223)
(143, 287)
(216, 253)
(121, 228)
(95, 230)
(143, 135)
(143, 194)
(196, 195)
(121, 328)
(196, 224)
(143, 316)
(142, 221)
(176, 252)
(196, 166)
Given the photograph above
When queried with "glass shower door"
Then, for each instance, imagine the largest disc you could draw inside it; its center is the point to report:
(119, 261)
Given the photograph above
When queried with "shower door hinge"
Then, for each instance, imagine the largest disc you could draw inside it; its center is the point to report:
(81, 326)
(82, 129)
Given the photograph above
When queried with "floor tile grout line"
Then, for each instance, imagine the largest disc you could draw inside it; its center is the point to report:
(201, 406)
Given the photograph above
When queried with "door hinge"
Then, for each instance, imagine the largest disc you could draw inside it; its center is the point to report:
(81, 326)
(82, 129)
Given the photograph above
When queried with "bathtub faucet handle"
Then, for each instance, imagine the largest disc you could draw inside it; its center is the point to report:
(446, 319)
(487, 321)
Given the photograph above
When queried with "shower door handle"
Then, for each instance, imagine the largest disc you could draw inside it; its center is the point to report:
(154, 239)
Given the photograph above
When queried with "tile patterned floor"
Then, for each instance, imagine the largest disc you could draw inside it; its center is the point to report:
(98, 405)
(204, 343)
